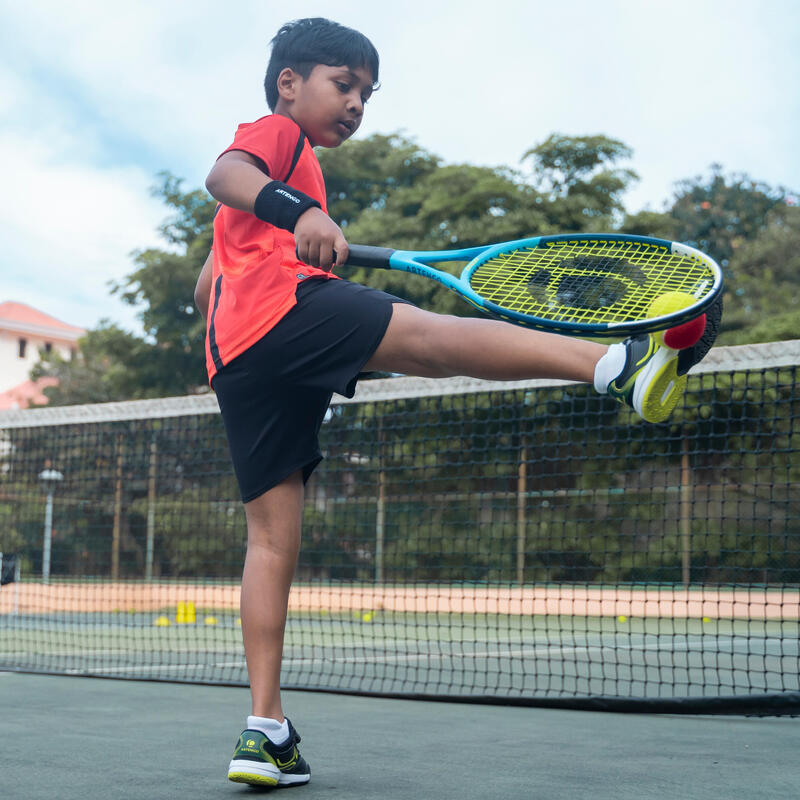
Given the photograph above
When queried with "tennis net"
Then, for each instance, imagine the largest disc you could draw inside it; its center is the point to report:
(529, 543)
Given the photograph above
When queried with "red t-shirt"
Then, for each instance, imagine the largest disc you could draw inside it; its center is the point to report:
(255, 269)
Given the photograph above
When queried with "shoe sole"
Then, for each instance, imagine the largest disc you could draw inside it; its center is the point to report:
(256, 774)
(263, 775)
(658, 386)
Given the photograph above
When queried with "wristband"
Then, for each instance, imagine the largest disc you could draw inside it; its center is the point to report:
(281, 205)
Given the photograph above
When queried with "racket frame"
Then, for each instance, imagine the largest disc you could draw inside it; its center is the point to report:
(419, 263)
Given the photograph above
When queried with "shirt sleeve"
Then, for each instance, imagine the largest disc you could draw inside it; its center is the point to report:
(271, 139)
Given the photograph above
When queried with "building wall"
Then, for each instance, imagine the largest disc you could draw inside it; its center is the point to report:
(15, 369)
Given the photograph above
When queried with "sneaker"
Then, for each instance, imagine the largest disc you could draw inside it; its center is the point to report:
(653, 378)
(260, 762)
(695, 354)
(649, 382)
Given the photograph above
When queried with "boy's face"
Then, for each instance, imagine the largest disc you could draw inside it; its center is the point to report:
(329, 104)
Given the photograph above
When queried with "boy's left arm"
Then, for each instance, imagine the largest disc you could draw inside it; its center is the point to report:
(202, 291)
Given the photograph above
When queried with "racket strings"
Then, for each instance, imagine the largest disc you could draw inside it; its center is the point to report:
(588, 282)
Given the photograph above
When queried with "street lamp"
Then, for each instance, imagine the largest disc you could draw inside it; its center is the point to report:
(49, 478)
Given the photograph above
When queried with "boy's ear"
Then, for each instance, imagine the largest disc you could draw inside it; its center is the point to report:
(288, 80)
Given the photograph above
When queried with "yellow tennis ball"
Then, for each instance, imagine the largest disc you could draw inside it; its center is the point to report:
(622, 618)
(162, 622)
(367, 617)
(667, 303)
(210, 620)
(706, 619)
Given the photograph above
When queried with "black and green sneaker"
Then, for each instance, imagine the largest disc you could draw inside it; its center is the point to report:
(260, 762)
(649, 382)
(653, 379)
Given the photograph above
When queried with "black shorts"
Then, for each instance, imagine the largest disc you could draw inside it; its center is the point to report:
(274, 396)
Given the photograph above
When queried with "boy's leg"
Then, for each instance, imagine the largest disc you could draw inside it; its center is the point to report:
(273, 543)
(266, 753)
(639, 372)
(431, 345)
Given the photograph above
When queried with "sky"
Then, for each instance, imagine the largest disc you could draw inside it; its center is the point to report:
(98, 96)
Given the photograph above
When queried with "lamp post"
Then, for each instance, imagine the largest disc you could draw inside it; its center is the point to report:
(49, 478)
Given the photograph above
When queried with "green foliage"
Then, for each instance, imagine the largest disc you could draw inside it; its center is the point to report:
(182, 542)
(363, 174)
(577, 175)
(718, 213)
(11, 540)
(763, 286)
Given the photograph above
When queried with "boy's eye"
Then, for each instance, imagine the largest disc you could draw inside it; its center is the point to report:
(343, 87)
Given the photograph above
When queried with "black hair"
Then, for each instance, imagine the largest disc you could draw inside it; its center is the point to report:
(304, 43)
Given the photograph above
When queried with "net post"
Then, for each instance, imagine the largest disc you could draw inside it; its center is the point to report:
(522, 489)
(117, 529)
(686, 509)
(151, 509)
(380, 510)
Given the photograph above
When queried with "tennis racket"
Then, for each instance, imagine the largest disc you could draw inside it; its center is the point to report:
(581, 284)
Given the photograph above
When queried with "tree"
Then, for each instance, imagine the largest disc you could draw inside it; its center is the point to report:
(763, 282)
(363, 174)
(718, 213)
(752, 232)
(455, 206)
(578, 176)
(114, 364)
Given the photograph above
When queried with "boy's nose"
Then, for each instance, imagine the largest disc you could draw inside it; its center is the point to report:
(355, 105)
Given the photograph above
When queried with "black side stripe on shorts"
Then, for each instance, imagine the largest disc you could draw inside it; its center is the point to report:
(212, 336)
(298, 151)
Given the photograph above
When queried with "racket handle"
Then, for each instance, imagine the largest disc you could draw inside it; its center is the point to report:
(365, 256)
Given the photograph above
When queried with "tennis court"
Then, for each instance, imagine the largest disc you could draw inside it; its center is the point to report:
(148, 741)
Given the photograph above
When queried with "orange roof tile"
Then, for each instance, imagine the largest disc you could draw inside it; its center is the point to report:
(28, 393)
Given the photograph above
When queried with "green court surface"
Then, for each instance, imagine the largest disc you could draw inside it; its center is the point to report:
(459, 655)
(81, 739)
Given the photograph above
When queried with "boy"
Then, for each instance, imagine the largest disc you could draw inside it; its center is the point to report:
(284, 333)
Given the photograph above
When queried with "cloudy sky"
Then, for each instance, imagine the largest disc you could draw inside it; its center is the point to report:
(97, 96)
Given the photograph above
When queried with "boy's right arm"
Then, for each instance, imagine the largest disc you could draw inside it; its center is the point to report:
(236, 181)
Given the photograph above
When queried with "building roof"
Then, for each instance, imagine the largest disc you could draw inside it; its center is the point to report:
(28, 393)
(22, 318)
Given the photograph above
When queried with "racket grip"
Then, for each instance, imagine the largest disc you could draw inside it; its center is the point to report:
(365, 256)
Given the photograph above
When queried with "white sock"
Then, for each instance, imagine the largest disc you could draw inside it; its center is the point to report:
(608, 367)
(276, 732)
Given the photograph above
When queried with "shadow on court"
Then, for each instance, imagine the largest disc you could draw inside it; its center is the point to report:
(76, 738)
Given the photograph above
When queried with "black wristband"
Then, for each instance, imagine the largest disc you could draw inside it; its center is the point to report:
(281, 205)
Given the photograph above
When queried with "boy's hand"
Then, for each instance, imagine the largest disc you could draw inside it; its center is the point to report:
(319, 240)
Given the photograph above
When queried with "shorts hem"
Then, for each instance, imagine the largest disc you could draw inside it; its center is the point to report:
(350, 388)
(306, 465)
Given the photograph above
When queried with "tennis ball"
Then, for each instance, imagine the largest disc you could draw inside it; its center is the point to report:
(681, 336)
(367, 617)
(622, 618)
(686, 335)
(239, 621)
(706, 619)
(162, 622)
(210, 621)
